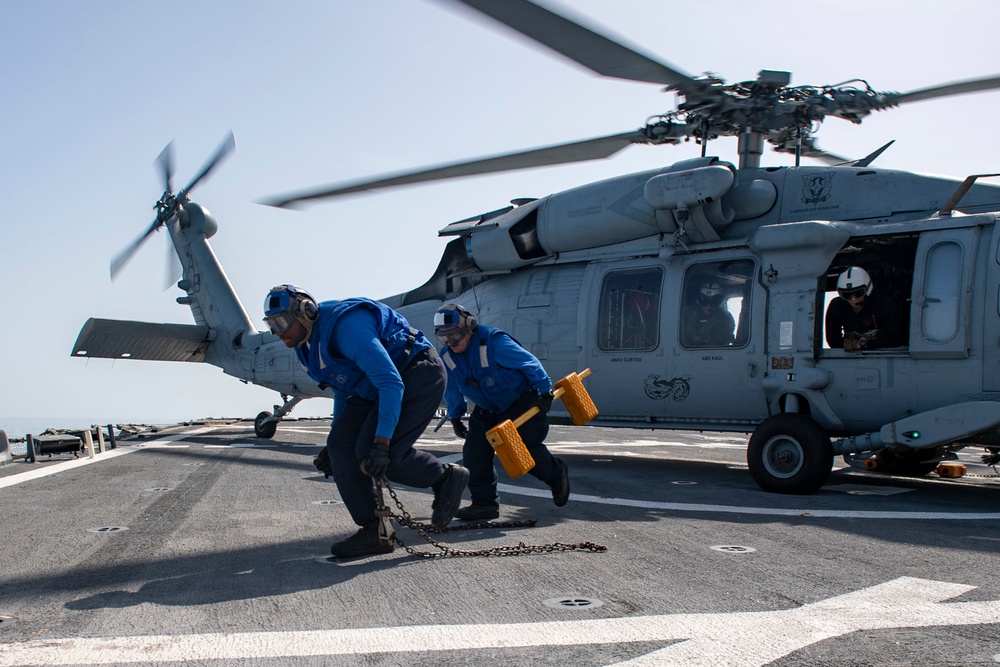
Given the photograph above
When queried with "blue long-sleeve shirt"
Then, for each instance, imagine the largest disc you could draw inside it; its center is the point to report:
(492, 372)
(356, 338)
(355, 347)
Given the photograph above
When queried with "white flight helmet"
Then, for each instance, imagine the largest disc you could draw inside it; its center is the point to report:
(854, 281)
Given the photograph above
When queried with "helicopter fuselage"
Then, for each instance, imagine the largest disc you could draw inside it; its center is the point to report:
(541, 272)
(604, 277)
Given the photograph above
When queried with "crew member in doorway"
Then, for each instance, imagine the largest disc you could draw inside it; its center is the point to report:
(860, 319)
(707, 322)
(387, 381)
(490, 368)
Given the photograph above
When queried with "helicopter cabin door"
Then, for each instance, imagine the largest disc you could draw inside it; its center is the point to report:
(672, 343)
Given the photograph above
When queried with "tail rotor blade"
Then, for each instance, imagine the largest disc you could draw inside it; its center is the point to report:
(225, 149)
(173, 269)
(122, 258)
(166, 162)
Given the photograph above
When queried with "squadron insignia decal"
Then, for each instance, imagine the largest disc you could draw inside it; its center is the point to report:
(817, 188)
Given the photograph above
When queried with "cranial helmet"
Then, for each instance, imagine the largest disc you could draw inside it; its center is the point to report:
(855, 281)
(286, 304)
(452, 323)
(710, 294)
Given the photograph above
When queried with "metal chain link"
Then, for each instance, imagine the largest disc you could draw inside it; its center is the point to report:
(423, 530)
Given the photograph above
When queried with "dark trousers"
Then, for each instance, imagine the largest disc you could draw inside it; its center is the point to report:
(478, 454)
(353, 432)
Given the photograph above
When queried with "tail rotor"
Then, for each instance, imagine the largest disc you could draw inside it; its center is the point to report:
(169, 205)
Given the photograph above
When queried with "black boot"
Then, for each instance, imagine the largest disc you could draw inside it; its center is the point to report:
(448, 494)
(362, 543)
(560, 486)
(476, 512)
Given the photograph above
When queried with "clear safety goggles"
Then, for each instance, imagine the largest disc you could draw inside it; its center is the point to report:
(451, 337)
(848, 294)
(280, 323)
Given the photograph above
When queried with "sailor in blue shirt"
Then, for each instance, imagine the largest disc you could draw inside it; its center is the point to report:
(490, 368)
(387, 383)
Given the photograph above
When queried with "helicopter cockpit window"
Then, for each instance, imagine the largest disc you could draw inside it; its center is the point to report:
(715, 309)
(629, 317)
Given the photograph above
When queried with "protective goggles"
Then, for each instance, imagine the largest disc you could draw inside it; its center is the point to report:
(848, 294)
(280, 323)
(452, 336)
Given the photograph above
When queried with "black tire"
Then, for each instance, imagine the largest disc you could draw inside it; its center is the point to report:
(790, 453)
(905, 463)
(264, 430)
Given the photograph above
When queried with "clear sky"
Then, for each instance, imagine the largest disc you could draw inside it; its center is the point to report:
(320, 92)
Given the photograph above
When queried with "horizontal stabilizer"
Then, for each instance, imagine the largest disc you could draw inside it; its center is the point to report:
(120, 339)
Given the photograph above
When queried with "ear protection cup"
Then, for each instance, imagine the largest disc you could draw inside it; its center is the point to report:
(468, 319)
(308, 309)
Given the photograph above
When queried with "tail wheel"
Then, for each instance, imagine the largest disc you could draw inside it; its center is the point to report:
(790, 453)
(262, 430)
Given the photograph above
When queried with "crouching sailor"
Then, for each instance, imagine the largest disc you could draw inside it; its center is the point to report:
(487, 366)
(387, 382)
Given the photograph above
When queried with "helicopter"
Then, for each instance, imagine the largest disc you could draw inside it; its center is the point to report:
(601, 276)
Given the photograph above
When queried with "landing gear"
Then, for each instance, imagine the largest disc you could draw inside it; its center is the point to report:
(790, 453)
(265, 424)
(263, 428)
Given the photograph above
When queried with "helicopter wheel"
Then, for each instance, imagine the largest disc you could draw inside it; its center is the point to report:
(264, 430)
(790, 453)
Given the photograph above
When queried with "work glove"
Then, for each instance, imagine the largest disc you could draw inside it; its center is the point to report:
(460, 429)
(544, 402)
(525, 402)
(322, 463)
(376, 463)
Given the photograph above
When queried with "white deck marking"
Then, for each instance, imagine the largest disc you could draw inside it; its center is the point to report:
(761, 511)
(742, 509)
(738, 639)
(606, 446)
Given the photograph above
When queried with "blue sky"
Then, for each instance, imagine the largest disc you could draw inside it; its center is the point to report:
(322, 92)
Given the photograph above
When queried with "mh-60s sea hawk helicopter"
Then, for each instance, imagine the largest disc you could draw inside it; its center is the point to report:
(600, 276)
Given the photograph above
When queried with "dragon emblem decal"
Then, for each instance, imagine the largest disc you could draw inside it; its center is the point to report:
(658, 388)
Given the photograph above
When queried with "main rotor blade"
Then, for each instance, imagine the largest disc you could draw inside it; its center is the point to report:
(225, 149)
(166, 162)
(122, 258)
(587, 47)
(578, 151)
(811, 150)
(944, 90)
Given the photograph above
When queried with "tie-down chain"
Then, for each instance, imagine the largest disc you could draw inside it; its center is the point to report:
(387, 533)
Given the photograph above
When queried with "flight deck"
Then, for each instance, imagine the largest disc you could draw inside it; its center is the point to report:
(204, 545)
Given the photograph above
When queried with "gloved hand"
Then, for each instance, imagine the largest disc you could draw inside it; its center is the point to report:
(544, 402)
(322, 463)
(377, 462)
(855, 344)
(460, 429)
